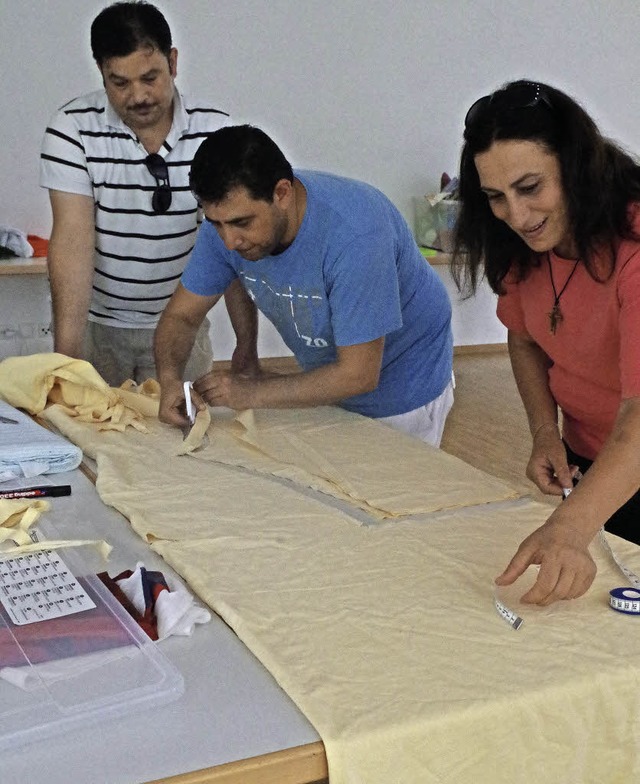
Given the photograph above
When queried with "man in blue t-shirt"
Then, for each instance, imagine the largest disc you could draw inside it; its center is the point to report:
(334, 266)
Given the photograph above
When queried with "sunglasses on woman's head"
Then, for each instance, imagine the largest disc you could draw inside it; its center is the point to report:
(525, 95)
(157, 166)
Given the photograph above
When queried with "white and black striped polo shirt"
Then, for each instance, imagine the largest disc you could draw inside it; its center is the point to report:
(139, 255)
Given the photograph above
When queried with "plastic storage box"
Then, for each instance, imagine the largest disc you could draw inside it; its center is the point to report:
(89, 666)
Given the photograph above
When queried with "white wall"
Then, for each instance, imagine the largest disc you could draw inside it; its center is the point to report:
(374, 89)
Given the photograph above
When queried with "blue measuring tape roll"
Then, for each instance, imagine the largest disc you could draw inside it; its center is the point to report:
(625, 600)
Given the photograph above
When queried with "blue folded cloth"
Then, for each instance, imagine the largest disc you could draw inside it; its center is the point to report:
(27, 449)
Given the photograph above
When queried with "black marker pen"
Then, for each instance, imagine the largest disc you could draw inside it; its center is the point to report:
(45, 491)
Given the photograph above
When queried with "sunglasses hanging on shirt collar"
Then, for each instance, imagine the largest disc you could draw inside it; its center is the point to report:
(161, 198)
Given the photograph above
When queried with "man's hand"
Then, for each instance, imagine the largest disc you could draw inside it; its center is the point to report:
(566, 567)
(172, 404)
(223, 388)
(245, 362)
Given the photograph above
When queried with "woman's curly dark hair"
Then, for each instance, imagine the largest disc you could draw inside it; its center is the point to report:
(600, 180)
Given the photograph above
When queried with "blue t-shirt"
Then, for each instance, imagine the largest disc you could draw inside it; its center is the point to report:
(352, 274)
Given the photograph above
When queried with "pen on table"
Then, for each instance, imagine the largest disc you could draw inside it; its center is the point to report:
(43, 491)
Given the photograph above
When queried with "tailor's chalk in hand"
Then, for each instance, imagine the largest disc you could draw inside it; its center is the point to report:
(188, 386)
(188, 405)
(198, 436)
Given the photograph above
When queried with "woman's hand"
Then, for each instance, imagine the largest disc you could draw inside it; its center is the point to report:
(566, 566)
(548, 468)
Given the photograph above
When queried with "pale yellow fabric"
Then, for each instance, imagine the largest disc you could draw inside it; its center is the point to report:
(32, 382)
(197, 434)
(16, 518)
(166, 496)
(325, 448)
(387, 639)
(17, 515)
(390, 475)
(353, 458)
(386, 635)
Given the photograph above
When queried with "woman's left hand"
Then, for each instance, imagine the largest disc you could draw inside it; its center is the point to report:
(566, 566)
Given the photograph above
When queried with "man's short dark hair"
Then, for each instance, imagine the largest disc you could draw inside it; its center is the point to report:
(238, 156)
(124, 27)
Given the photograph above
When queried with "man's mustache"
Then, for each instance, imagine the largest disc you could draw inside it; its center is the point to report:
(136, 107)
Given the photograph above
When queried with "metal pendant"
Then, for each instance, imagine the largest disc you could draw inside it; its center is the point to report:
(555, 318)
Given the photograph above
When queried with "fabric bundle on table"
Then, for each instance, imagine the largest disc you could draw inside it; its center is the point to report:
(33, 382)
(159, 604)
(28, 449)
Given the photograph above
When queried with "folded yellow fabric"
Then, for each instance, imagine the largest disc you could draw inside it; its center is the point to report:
(354, 458)
(168, 496)
(33, 382)
(197, 434)
(17, 515)
(325, 448)
(369, 466)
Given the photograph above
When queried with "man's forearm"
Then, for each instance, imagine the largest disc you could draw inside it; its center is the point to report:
(172, 344)
(243, 314)
(71, 266)
(71, 282)
(176, 332)
(355, 371)
(322, 386)
(244, 320)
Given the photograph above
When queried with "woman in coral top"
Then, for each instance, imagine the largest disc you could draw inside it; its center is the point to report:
(549, 213)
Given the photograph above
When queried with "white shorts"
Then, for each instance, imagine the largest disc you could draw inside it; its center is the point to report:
(426, 422)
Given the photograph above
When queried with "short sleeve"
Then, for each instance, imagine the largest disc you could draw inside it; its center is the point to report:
(63, 164)
(509, 309)
(208, 271)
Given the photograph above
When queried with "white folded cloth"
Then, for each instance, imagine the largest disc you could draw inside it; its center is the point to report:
(15, 241)
(176, 611)
(27, 449)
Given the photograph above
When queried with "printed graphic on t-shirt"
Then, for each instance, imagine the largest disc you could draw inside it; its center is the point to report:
(303, 314)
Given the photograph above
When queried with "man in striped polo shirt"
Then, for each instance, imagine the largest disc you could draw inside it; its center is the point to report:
(116, 163)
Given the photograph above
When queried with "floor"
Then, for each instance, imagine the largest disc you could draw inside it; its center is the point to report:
(487, 426)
